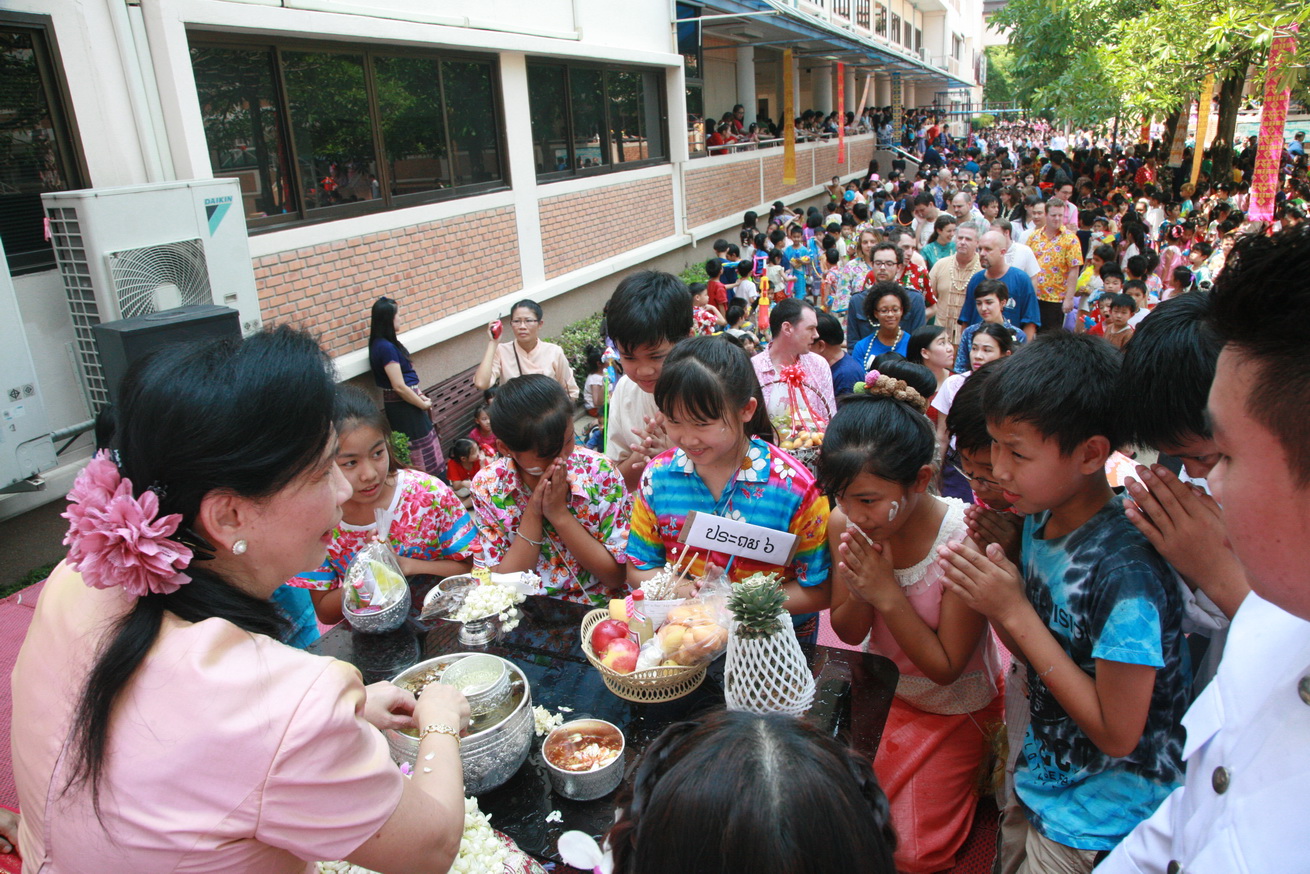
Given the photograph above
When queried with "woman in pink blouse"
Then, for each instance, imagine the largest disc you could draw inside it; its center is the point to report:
(158, 722)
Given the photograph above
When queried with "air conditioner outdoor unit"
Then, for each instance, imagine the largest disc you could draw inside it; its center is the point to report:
(142, 249)
(25, 445)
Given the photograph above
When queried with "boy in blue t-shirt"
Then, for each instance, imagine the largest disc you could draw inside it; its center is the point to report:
(1100, 627)
(799, 256)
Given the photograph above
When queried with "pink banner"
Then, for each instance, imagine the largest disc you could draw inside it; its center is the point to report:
(1273, 118)
(841, 113)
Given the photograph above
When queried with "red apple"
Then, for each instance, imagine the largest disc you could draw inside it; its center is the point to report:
(607, 630)
(621, 655)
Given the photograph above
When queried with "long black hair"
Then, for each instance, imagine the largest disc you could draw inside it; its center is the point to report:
(734, 791)
(382, 325)
(877, 434)
(710, 379)
(246, 417)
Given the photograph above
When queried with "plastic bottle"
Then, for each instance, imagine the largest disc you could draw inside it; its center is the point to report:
(638, 621)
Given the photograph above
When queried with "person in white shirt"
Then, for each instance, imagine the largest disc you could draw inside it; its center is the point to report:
(1018, 255)
(1243, 806)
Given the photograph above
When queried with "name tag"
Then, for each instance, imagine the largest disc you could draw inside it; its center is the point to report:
(717, 534)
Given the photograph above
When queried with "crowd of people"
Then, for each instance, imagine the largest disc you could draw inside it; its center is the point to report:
(926, 380)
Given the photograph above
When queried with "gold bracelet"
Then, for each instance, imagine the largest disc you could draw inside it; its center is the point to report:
(439, 728)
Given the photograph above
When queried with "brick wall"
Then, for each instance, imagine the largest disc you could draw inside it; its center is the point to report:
(575, 227)
(330, 288)
(715, 191)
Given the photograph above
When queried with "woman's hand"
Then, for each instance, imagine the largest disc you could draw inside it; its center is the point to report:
(867, 569)
(9, 831)
(441, 703)
(386, 705)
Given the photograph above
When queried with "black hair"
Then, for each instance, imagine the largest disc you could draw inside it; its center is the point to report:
(462, 447)
(595, 357)
(920, 340)
(788, 310)
(353, 407)
(720, 245)
(1138, 284)
(1064, 385)
(830, 329)
(913, 374)
(382, 324)
(1136, 265)
(245, 417)
(734, 251)
(880, 435)
(735, 314)
(831, 254)
(1167, 369)
(1105, 253)
(696, 288)
(735, 791)
(1123, 301)
(882, 289)
(1183, 276)
(531, 414)
(1001, 334)
(1110, 268)
(713, 268)
(530, 305)
(967, 420)
(709, 379)
(993, 287)
(648, 308)
(1202, 248)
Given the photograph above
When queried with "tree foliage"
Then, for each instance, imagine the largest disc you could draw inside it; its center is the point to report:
(999, 87)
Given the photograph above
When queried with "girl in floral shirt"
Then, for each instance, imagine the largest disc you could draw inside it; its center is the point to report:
(722, 464)
(430, 531)
(547, 505)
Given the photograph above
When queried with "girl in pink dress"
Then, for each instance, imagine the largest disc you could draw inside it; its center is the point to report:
(888, 594)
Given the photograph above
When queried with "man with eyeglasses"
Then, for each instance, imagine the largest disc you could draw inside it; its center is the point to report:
(888, 266)
(524, 354)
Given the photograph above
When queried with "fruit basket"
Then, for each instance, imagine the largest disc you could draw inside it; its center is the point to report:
(647, 686)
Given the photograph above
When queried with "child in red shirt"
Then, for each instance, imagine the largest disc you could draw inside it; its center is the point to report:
(465, 461)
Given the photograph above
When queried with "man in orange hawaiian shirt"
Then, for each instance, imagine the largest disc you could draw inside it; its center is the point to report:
(1060, 257)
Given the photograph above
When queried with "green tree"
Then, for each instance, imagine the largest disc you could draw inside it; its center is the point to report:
(1000, 71)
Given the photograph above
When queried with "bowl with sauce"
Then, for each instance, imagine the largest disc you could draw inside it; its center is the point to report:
(584, 758)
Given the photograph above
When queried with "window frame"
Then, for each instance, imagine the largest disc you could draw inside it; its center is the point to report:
(387, 202)
(580, 172)
(63, 119)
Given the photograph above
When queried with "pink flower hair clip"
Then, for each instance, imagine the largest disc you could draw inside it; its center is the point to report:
(117, 539)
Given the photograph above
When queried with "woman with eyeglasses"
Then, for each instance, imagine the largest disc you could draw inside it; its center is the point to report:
(524, 354)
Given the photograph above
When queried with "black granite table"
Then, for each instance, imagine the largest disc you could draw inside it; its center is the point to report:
(854, 696)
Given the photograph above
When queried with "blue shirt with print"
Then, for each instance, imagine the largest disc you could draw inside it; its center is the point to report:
(1104, 593)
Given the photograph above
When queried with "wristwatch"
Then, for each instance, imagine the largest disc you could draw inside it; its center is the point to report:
(439, 728)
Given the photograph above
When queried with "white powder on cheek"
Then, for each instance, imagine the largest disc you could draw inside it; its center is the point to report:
(891, 513)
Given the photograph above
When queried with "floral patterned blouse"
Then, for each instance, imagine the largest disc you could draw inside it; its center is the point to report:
(772, 490)
(428, 523)
(597, 499)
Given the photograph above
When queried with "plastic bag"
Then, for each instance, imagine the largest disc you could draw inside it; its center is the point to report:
(373, 580)
(696, 630)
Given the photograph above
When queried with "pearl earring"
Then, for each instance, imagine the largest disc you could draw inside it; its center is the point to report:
(239, 548)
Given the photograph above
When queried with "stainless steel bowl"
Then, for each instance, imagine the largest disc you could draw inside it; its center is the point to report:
(387, 619)
(490, 756)
(584, 785)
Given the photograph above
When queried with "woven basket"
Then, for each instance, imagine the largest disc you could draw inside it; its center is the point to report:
(648, 686)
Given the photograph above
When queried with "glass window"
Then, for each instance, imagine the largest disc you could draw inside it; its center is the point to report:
(413, 129)
(328, 106)
(896, 28)
(37, 150)
(634, 117)
(358, 129)
(587, 93)
(548, 99)
(689, 39)
(470, 102)
(880, 20)
(244, 127)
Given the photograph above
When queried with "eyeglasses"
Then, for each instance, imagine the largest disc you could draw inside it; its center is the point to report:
(978, 480)
(893, 311)
(884, 263)
(523, 323)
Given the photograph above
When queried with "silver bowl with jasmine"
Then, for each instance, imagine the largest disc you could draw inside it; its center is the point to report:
(446, 599)
(498, 742)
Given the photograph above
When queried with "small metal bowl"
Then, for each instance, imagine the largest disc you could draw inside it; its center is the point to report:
(446, 599)
(584, 785)
(483, 679)
(389, 618)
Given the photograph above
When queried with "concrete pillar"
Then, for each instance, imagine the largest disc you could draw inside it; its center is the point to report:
(909, 98)
(746, 82)
(822, 79)
(882, 86)
(852, 95)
